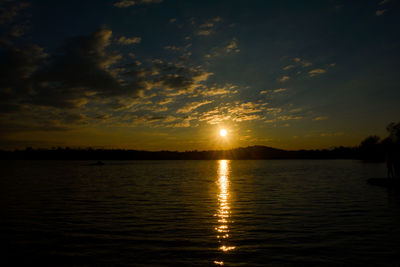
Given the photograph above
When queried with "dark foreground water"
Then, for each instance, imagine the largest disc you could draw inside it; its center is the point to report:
(204, 213)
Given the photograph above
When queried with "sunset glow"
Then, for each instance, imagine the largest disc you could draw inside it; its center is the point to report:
(121, 82)
(223, 133)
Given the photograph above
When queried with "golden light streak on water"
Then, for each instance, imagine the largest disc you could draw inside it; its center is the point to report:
(223, 212)
(226, 248)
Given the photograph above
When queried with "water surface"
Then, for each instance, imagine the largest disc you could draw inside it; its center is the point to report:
(202, 213)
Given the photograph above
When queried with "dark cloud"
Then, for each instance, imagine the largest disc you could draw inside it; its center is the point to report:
(208, 27)
(80, 70)
(128, 3)
(179, 78)
(124, 3)
(128, 40)
(40, 119)
(19, 63)
(11, 25)
(9, 9)
(74, 118)
(16, 67)
(155, 118)
(8, 127)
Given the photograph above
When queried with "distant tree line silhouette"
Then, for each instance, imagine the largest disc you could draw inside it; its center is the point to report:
(371, 149)
(251, 152)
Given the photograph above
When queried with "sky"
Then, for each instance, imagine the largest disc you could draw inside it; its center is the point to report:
(169, 74)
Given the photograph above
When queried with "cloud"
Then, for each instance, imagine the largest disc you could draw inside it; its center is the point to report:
(214, 116)
(12, 25)
(296, 110)
(102, 117)
(303, 62)
(10, 9)
(18, 30)
(289, 117)
(141, 105)
(280, 90)
(41, 119)
(216, 19)
(124, 3)
(206, 25)
(274, 110)
(214, 90)
(86, 80)
(80, 67)
(246, 118)
(284, 78)
(149, 1)
(316, 72)
(380, 12)
(192, 106)
(232, 46)
(229, 48)
(236, 112)
(86, 77)
(211, 22)
(128, 3)
(169, 119)
(177, 79)
(172, 48)
(288, 67)
(321, 118)
(207, 28)
(384, 2)
(127, 41)
(19, 63)
(154, 118)
(245, 111)
(166, 101)
(17, 66)
(245, 108)
(81, 70)
(275, 91)
(177, 48)
(205, 32)
(74, 118)
(183, 124)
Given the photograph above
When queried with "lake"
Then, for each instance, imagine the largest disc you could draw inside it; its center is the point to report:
(198, 213)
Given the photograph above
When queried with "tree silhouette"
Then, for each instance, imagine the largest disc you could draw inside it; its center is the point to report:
(371, 149)
(393, 149)
(394, 131)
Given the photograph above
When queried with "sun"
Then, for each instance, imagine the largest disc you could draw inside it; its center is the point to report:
(222, 132)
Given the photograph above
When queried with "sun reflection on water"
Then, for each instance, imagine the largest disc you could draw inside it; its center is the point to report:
(223, 212)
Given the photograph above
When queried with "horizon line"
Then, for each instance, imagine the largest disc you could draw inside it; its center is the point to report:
(167, 150)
